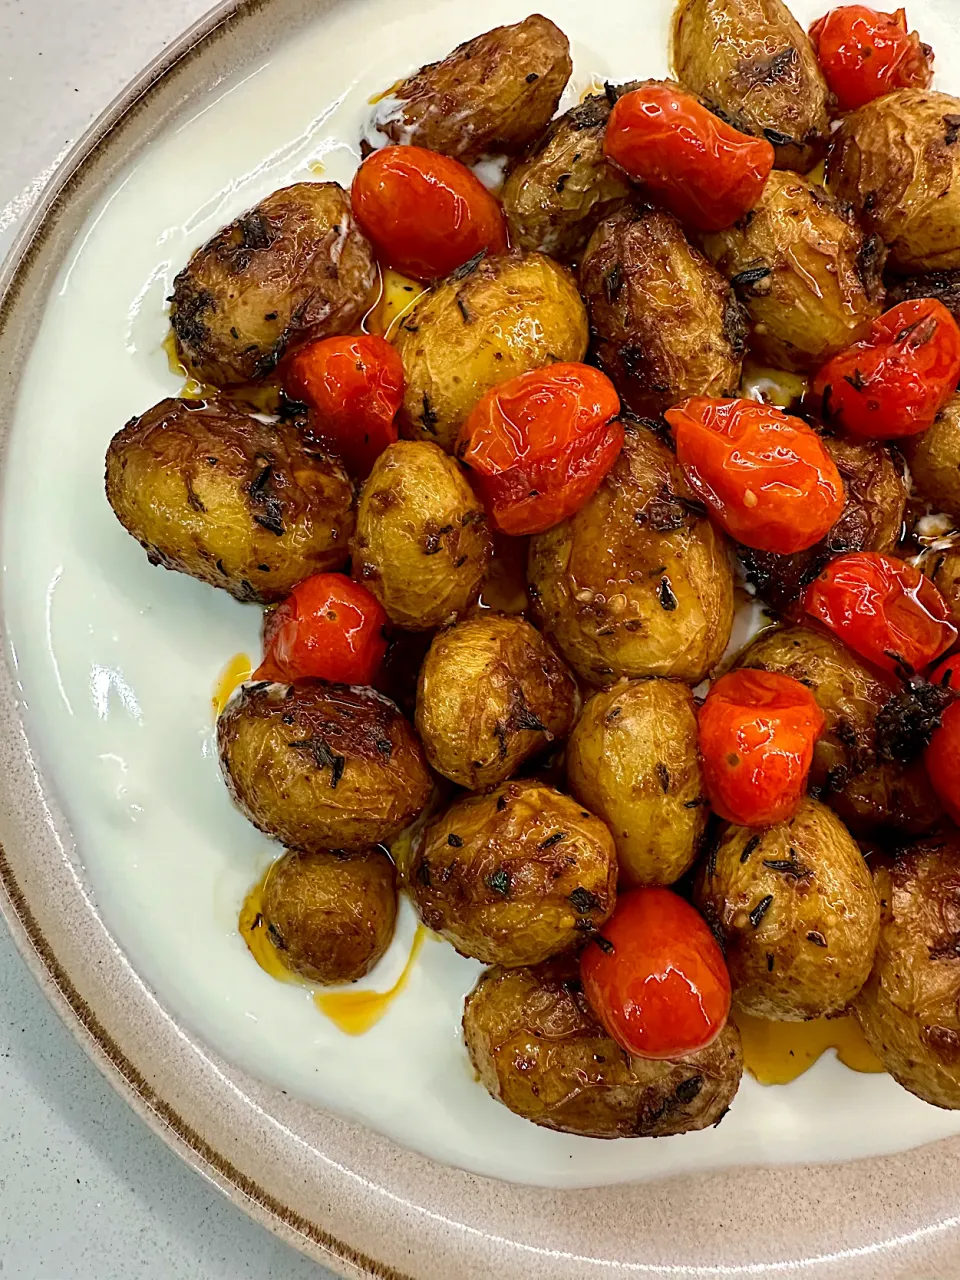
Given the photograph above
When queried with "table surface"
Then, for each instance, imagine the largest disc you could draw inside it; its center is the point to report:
(87, 1192)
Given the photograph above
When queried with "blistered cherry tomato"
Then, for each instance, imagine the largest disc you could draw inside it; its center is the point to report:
(884, 609)
(655, 976)
(354, 385)
(540, 444)
(425, 213)
(329, 628)
(896, 381)
(758, 730)
(705, 171)
(865, 53)
(766, 477)
(942, 756)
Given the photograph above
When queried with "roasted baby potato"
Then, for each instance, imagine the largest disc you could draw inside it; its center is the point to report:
(515, 876)
(492, 693)
(330, 915)
(934, 458)
(809, 279)
(293, 269)
(797, 913)
(945, 572)
(490, 321)
(422, 544)
(633, 760)
(942, 285)
(492, 95)
(322, 766)
(897, 161)
(638, 582)
(753, 61)
(538, 1049)
(209, 490)
(664, 323)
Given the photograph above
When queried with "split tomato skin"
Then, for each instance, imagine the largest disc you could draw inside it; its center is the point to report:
(328, 628)
(865, 53)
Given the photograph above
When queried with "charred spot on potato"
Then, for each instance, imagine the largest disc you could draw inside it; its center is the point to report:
(909, 720)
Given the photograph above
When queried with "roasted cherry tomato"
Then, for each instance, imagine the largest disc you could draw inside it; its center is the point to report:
(942, 756)
(766, 477)
(896, 381)
(540, 444)
(705, 171)
(655, 976)
(865, 53)
(354, 385)
(758, 730)
(425, 213)
(884, 609)
(329, 628)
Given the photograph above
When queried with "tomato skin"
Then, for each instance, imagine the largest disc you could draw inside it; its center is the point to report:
(942, 756)
(657, 980)
(766, 477)
(896, 381)
(884, 609)
(865, 53)
(425, 214)
(328, 628)
(758, 730)
(703, 170)
(540, 444)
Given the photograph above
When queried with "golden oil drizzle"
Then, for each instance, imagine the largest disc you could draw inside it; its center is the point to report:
(237, 670)
(773, 386)
(385, 93)
(818, 173)
(254, 933)
(355, 1012)
(264, 396)
(397, 297)
(505, 587)
(778, 1052)
(317, 167)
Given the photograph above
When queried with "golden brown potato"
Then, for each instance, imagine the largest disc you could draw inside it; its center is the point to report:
(897, 161)
(488, 322)
(294, 269)
(322, 766)
(515, 876)
(538, 1049)
(422, 544)
(887, 797)
(753, 61)
(934, 458)
(211, 491)
(808, 277)
(492, 694)
(945, 572)
(633, 760)
(665, 324)
(492, 95)
(797, 912)
(638, 582)
(330, 915)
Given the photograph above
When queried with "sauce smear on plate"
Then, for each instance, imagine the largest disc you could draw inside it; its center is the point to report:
(778, 1052)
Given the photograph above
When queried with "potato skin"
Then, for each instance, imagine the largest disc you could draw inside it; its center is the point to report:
(492, 693)
(665, 323)
(934, 458)
(208, 490)
(753, 61)
(633, 760)
(945, 572)
(822, 289)
(538, 1049)
(293, 269)
(493, 94)
(897, 161)
(330, 916)
(515, 876)
(942, 285)
(422, 544)
(638, 582)
(797, 911)
(322, 766)
(480, 327)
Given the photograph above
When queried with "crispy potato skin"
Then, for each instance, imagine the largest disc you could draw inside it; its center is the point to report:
(515, 876)
(293, 269)
(934, 458)
(638, 582)
(753, 61)
(330, 916)
(665, 323)
(897, 161)
(822, 289)
(945, 572)
(211, 491)
(492, 95)
(322, 766)
(492, 693)
(538, 1049)
(422, 544)
(510, 314)
(633, 760)
(798, 913)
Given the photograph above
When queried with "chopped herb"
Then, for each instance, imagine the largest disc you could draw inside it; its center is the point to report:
(470, 266)
(561, 183)
(769, 962)
(323, 757)
(276, 937)
(687, 1090)
(857, 381)
(532, 76)
(760, 910)
(747, 279)
(613, 283)
(428, 418)
(663, 776)
(668, 600)
(257, 920)
(778, 139)
(749, 847)
(583, 901)
(454, 841)
(501, 804)
(467, 318)
(552, 840)
(423, 873)
(817, 938)
(499, 882)
(789, 866)
(605, 945)
(385, 747)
